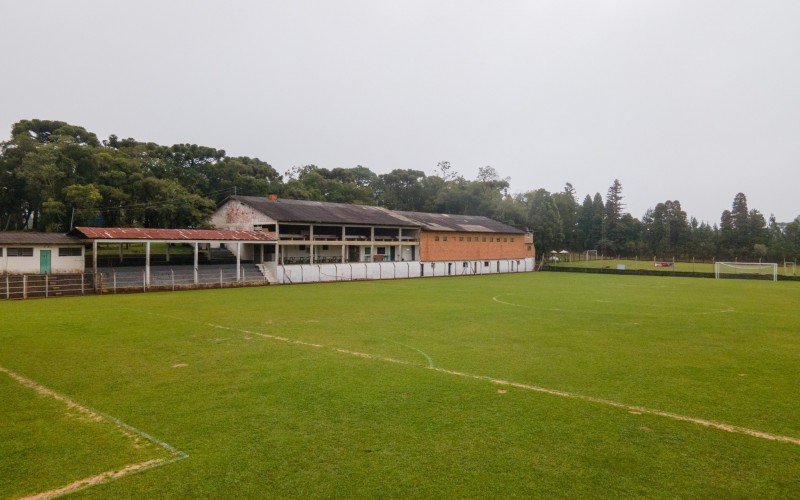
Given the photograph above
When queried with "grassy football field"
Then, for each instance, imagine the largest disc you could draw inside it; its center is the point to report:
(535, 384)
(788, 269)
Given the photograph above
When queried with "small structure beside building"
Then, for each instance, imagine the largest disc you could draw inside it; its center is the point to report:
(250, 242)
(40, 253)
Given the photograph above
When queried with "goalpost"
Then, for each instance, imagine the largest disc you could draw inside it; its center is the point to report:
(592, 254)
(748, 269)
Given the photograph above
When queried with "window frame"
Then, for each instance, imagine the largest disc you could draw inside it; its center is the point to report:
(69, 251)
(19, 252)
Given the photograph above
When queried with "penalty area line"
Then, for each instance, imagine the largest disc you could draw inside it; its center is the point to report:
(128, 430)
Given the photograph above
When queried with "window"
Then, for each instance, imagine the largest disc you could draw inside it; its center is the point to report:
(512, 240)
(445, 238)
(484, 239)
(70, 252)
(20, 252)
(324, 247)
(529, 248)
(505, 240)
(469, 238)
(465, 264)
(436, 238)
(381, 250)
(301, 247)
(486, 263)
(461, 238)
(1, 251)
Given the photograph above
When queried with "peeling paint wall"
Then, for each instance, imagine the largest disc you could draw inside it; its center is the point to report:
(235, 215)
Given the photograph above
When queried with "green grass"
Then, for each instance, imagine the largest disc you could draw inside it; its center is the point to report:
(46, 445)
(682, 267)
(263, 417)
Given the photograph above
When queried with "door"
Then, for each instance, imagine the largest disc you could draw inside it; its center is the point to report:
(45, 259)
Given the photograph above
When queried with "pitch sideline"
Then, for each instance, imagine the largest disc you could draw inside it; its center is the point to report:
(128, 430)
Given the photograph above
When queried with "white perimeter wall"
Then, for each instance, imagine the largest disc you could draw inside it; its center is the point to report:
(30, 265)
(313, 273)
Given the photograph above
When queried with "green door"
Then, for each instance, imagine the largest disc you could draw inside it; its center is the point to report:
(45, 261)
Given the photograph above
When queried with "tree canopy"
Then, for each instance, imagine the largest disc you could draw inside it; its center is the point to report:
(54, 175)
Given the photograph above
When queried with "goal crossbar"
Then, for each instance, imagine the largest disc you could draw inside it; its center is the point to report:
(747, 268)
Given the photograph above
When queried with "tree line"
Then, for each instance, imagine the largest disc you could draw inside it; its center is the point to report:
(54, 176)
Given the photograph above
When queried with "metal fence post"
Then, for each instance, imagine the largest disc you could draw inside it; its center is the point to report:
(144, 281)
(83, 276)
(8, 290)
(220, 277)
(114, 276)
(24, 286)
(46, 285)
(172, 273)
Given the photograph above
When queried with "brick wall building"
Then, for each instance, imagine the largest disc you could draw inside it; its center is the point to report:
(450, 245)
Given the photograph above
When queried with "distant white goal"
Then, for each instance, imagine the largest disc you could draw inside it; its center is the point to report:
(746, 270)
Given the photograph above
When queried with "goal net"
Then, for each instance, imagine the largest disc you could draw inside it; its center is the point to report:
(763, 270)
(591, 255)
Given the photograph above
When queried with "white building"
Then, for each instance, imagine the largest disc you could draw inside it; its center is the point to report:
(40, 253)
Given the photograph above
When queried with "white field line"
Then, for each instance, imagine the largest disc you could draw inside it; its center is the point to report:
(430, 359)
(553, 392)
(96, 416)
(496, 298)
(534, 388)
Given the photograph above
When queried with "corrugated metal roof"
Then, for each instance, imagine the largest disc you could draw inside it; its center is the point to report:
(462, 223)
(141, 233)
(34, 238)
(321, 212)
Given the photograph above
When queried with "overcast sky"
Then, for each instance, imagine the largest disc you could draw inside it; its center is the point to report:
(690, 100)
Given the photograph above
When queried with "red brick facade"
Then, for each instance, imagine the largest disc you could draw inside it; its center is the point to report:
(447, 245)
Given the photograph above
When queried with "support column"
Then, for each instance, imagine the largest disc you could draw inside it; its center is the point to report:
(344, 243)
(311, 246)
(147, 263)
(277, 251)
(196, 262)
(94, 264)
(120, 252)
(239, 261)
(372, 244)
(167, 252)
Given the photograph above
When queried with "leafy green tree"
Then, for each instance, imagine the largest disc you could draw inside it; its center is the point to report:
(544, 219)
(567, 205)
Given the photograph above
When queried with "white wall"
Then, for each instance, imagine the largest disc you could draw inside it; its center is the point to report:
(30, 265)
(313, 273)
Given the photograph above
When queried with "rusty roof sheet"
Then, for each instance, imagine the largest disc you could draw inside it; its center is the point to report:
(143, 233)
(323, 212)
(461, 223)
(34, 238)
